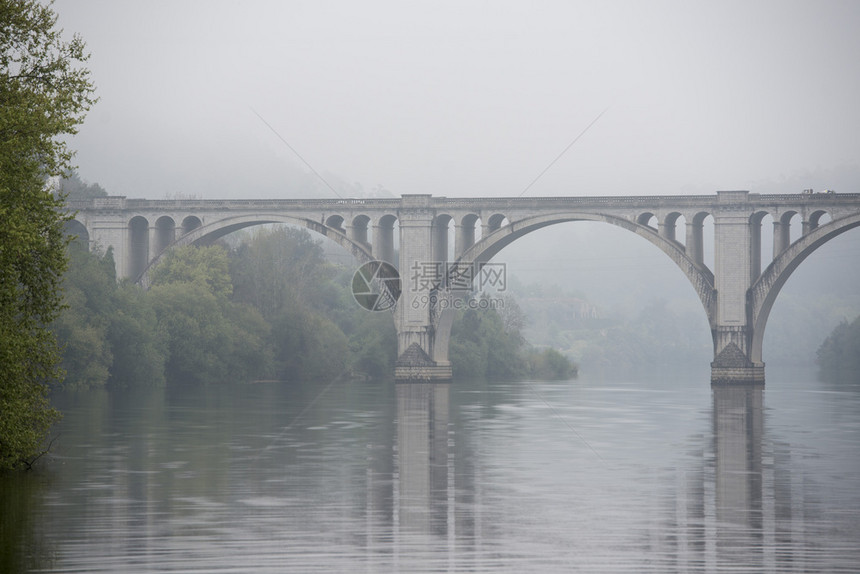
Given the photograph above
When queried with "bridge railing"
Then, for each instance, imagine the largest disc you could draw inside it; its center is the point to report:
(121, 202)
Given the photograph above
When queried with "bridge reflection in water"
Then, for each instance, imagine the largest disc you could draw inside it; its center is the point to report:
(480, 477)
(424, 470)
(738, 523)
(735, 507)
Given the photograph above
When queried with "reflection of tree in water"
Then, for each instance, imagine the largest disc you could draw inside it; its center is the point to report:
(22, 547)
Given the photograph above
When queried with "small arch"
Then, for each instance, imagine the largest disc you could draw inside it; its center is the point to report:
(669, 226)
(496, 221)
(165, 233)
(138, 246)
(818, 218)
(646, 219)
(757, 217)
(190, 223)
(360, 224)
(335, 222)
(785, 218)
(78, 234)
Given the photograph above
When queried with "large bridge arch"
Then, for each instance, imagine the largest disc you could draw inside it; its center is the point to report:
(765, 290)
(698, 274)
(701, 278)
(210, 232)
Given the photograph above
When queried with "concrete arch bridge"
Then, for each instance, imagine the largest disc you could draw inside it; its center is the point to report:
(737, 294)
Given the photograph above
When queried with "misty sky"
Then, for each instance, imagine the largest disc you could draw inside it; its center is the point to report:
(469, 98)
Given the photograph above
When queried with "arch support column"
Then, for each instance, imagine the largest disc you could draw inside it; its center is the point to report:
(464, 237)
(780, 238)
(383, 241)
(415, 312)
(694, 245)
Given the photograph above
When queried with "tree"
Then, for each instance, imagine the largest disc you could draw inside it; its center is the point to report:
(108, 331)
(73, 187)
(210, 338)
(44, 95)
(207, 267)
(839, 354)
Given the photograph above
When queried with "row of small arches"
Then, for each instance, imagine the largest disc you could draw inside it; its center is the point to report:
(787, 218)
(143, 245)
(451, 238)
(788, 227)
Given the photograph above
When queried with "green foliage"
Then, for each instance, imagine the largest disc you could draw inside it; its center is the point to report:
(486, 343)
(468, 358)
(73, 187)
(136, 340)
(277, 266)
(372, 343)
(308, 346)
(207, 267)
(550, 365)
(200, 322)
(209, 340)
(318, 331)
(481, 348)
(108, 331)
(273, 307)
(839, 354)
(43, 96)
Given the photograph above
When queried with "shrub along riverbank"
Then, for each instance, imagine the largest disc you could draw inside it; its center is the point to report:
(839, 354)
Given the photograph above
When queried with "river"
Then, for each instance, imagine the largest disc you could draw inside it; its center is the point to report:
(660, 474)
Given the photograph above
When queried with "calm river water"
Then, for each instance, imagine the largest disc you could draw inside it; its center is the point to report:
(648, 475)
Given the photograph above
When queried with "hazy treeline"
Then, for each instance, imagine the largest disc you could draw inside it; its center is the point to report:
(659, 334)
(839, 354)
(490, 344)
(268, 306)
(271, 308)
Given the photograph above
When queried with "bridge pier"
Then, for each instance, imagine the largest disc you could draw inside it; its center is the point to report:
(732, 364)
(419, 357)
(736, 253)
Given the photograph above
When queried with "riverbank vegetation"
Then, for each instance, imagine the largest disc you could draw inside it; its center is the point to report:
(45, 92)
(839, 354)
(268, 305)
